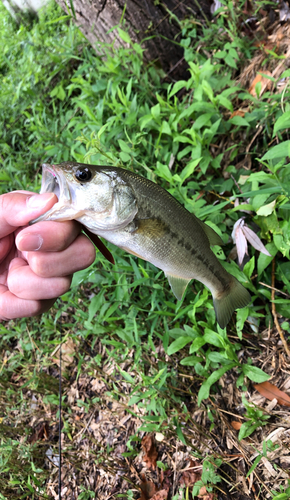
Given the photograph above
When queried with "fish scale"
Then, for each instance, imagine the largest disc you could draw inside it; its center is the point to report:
(145, 220)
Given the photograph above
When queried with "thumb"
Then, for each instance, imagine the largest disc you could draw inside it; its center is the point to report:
(20, 207)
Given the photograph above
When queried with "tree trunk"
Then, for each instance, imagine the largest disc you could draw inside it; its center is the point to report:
(147, 21)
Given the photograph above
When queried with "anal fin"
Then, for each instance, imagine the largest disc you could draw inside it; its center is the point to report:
(178, 285)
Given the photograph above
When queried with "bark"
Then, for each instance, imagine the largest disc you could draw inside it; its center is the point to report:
(146, 21)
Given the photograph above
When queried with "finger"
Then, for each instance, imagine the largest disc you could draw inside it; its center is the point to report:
(12, 307)
(5, 246)
(23, 283)
(48, 236)
(79, 255)
(18, 208)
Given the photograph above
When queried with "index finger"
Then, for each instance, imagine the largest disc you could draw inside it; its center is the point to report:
(19, 207)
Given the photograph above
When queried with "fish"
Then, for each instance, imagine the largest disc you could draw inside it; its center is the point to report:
(142, 218)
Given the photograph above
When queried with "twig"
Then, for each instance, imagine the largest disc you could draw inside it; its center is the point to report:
(274, 311)
(276, 289)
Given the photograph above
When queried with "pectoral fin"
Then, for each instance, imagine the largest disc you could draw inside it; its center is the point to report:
(178, 285)
(100, 245)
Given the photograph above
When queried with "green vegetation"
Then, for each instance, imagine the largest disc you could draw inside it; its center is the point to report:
(61, 101)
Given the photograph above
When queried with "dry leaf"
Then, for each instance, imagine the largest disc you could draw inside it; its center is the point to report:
(241, 234)
(148, 489)
(67, 352)
(241, 242)
(239, 112)
(41, 433)
(236, 425)
(191, 475)
(208, 496)
(270, 391)
(150, 452)
(255, 240)
(265, 82)
(215, 6)
(160, 495)
(284, 12)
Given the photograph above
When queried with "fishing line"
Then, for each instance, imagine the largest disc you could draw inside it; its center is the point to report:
(59, 421)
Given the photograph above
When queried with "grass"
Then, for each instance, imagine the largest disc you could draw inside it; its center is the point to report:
(163, 365)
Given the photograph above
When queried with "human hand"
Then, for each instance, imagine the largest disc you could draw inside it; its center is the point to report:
(36, 262)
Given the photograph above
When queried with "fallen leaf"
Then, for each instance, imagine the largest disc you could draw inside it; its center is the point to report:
(165, 481)
(41, 433)
(67, 353)
(208, 496)
(150, 452)
(236, 425)
(241, 234)
(215, 6)
(265, 82)
(239, 112)
(241, 242)
(148, 489)
(192, 474)
(270, 391)
(160, 495)
(255, 240)
(284, 12)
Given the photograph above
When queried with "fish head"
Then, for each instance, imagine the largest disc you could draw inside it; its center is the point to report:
(94, 195)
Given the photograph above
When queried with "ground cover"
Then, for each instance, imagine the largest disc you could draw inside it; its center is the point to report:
(158, 401)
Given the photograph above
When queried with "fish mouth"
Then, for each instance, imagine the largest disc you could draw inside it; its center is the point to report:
(54, 183)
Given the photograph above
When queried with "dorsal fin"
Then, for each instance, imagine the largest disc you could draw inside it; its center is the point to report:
(213, 237)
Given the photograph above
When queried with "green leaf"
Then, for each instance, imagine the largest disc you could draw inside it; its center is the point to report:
(282, 122)
(282, 496)
(188, 170)
(165, 128)
(176, 87)
(265, 260)
(197, 344)
(124, 146)
(214, 377)
(223, 101)
(180, 434)
(267, 209)
(202, 120)
(127, 376)
(255, 374)
(87, 110)
(249, 267)
(190, 361)
(239, 120)
(213, 338)
(155, 111)
(280, 151)
(178, 344)
(124, 36)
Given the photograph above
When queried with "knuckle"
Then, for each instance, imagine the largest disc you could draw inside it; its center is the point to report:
(90, 255)
(40, 265)
(63, 285)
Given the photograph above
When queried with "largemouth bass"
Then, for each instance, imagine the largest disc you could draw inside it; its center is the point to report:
(143, 219)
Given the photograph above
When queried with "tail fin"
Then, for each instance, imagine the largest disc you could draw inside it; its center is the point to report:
(234, 297)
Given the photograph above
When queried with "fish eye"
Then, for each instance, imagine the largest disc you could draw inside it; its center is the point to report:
(83, 174)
